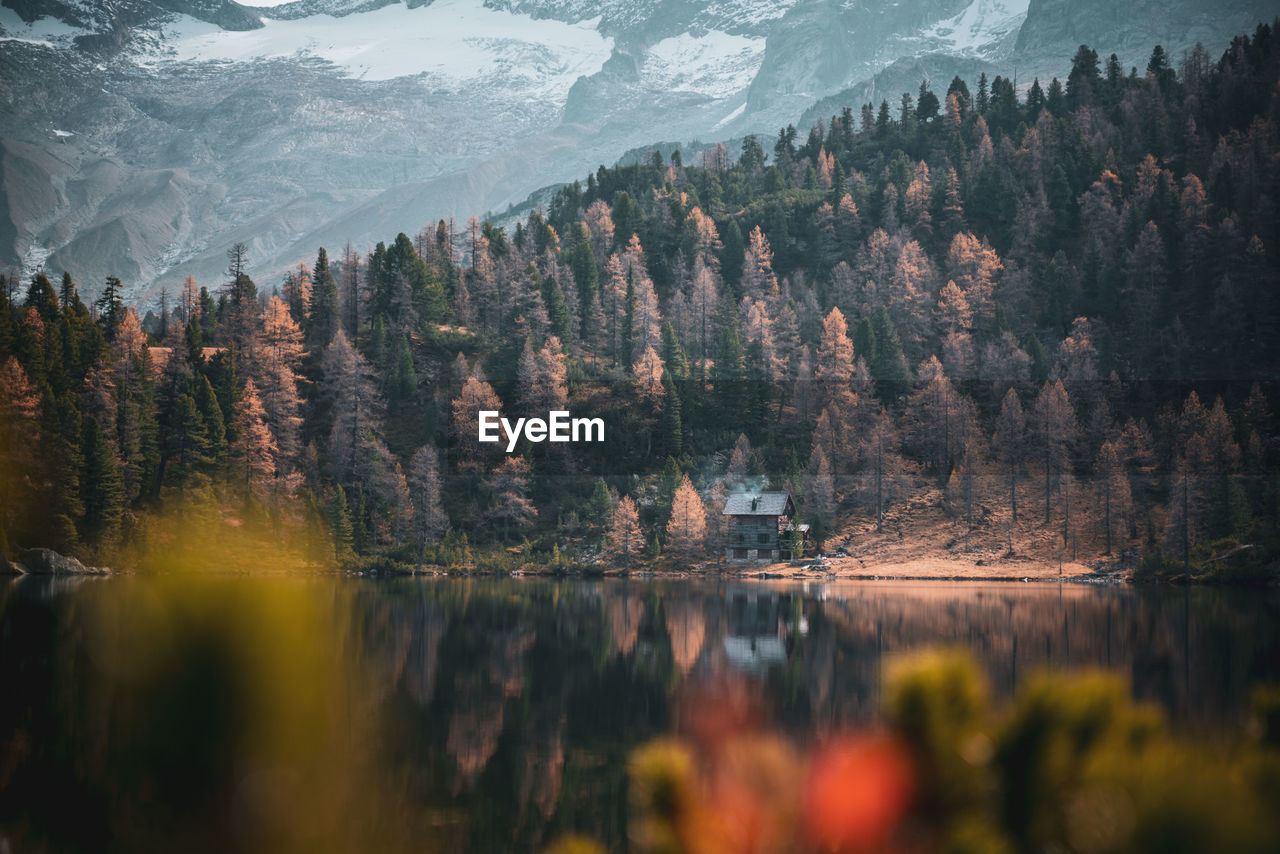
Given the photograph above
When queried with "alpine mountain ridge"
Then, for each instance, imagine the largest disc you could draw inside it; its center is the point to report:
(141, 138)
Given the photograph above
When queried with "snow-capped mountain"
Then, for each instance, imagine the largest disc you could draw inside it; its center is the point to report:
(140, 138)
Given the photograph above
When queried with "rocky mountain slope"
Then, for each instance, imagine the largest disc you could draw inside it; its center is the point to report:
(142, 137)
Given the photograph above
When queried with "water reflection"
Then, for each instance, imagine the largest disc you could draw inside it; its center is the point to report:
(494, 715)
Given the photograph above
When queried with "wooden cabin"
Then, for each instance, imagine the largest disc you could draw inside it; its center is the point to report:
(760, 526)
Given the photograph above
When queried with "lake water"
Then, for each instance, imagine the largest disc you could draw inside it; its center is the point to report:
(318, 713)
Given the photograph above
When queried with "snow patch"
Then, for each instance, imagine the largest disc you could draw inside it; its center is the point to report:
(980, 24)
(746, 13)
(33, 260)
(63, 134)
(459, 40)
(742, 108)
(717, 64)
(49, 32)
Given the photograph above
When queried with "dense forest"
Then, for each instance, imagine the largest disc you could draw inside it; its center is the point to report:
(1051, 310)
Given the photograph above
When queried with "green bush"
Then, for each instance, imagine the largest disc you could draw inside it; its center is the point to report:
(1071, 764)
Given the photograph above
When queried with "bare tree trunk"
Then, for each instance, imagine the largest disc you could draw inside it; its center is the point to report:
(968, 502)
(1048, 478)
(1013, 503)
(1107, 511)
(1013, 490)
(879, 487)
(1186, 523)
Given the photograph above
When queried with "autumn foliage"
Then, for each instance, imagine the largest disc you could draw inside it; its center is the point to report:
(1070, 763)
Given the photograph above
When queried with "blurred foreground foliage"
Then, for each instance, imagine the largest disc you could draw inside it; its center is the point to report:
(196, 713)
(1071, 765)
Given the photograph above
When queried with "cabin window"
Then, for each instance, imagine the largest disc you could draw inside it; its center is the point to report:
(762, 539)
(741, 554)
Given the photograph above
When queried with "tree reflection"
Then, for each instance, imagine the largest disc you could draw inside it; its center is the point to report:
(496, 715)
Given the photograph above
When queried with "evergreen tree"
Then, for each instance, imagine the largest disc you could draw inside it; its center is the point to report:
(110, 306)
(214, 421)
(599, 509)
(404, 380)
(625, 537)
(1009, 443)
(322, 322)
(1055, 428)
(338, 516)
(253, 451)
(20, 440)
(687, 526)
(507, 490)
(357, 456)
(61, 504)
(280, 357)
(833, 369)
(186, 450)
(101, 488)
(430, 521)
(927, 104)
(44, 299)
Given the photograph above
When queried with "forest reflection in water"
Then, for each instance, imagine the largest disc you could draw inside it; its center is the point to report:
(284, 713)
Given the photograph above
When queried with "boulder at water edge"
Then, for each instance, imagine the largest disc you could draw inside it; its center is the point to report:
(49, 562)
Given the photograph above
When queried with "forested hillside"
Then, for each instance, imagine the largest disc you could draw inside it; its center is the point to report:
(1047, 315)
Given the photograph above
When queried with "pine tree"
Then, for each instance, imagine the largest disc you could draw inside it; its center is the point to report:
(110, 306)
(253, 452)
(704, 298)
(908, 296)
(975, 268)
(243, 311)
(101, 488)
(668, 483)
(1009, 443)
(186, 449)
(687, 527)
(357, 455)
(599, 509)
(962, 486)
(404, 379)
(936, 409)
(214, 421)
(1055, 428)
(671, 422)
(648, 372)
(758, 279)
(882, 463)
(322, 320)
(280, 357)
(135, 431)
(476, 396)
(1113, 488)
(625, 537)
(819, 489)
(20, 420)
(833, 370)
(507, 489)
(642, 303)
(338, 515)
(297, 292)
(61, 504)
(430, 521)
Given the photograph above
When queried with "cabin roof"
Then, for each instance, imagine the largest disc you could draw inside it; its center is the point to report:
(757, 504)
